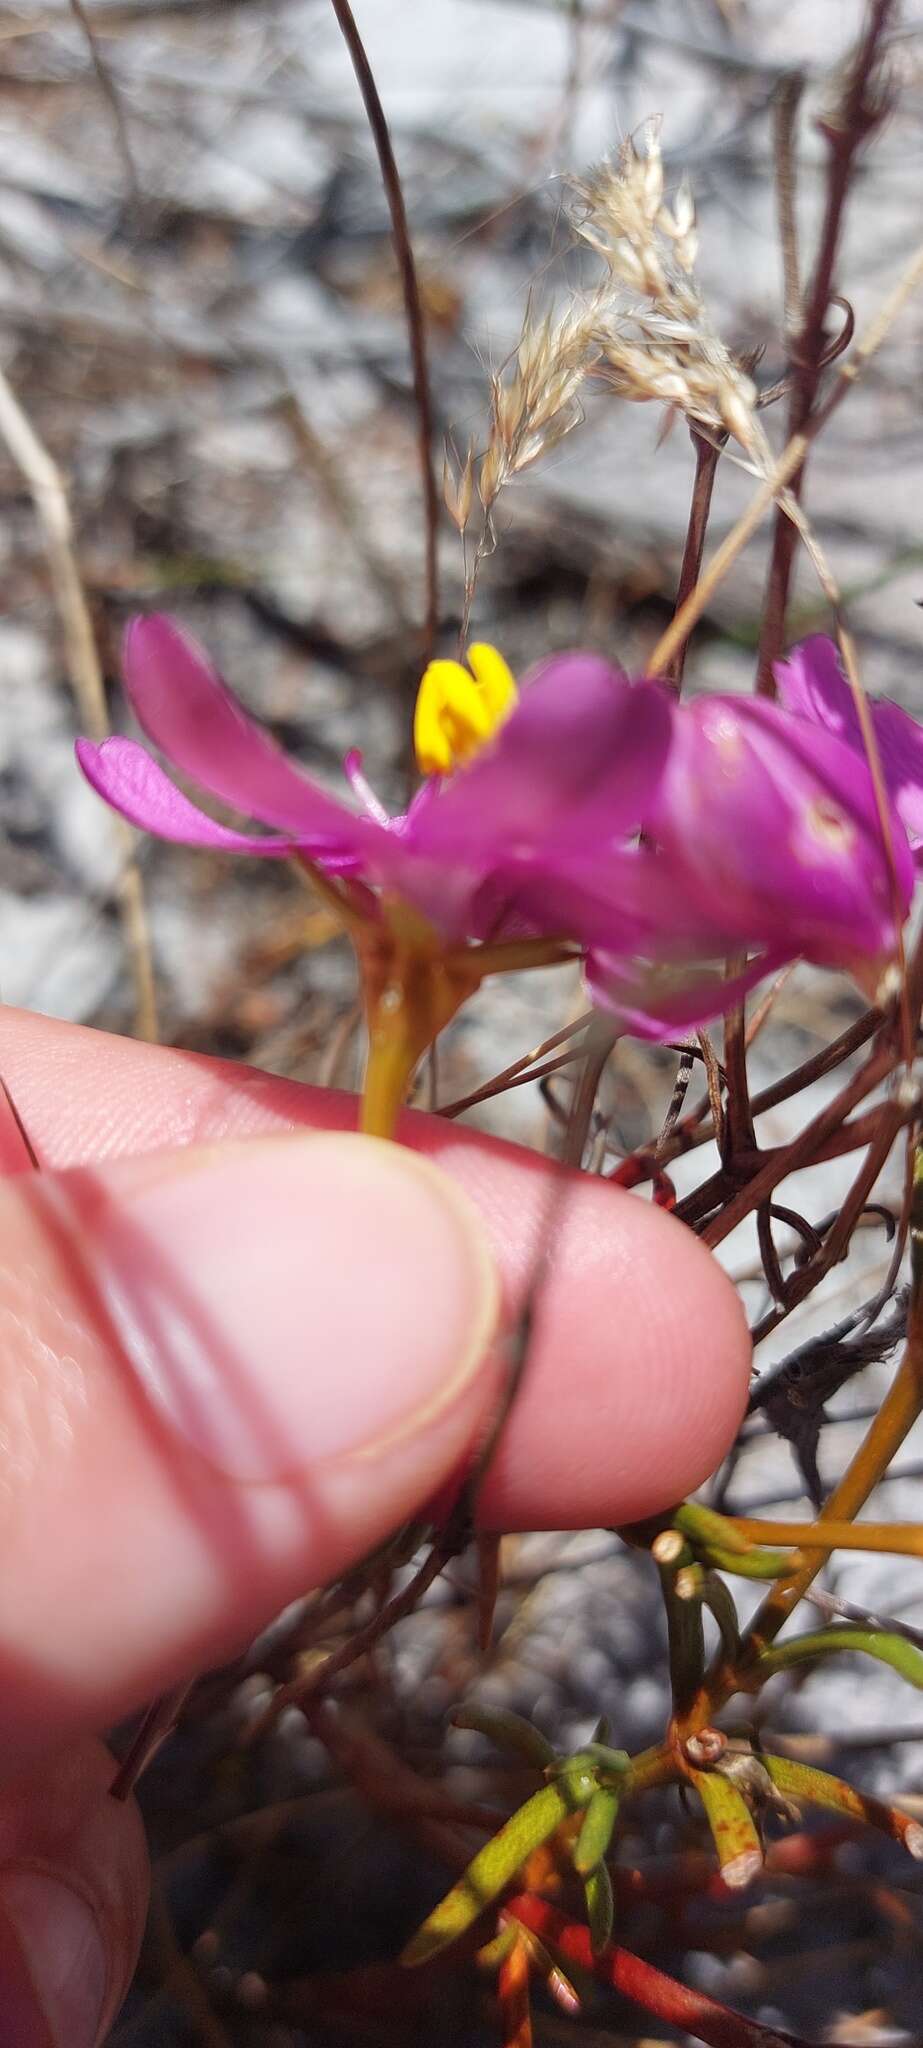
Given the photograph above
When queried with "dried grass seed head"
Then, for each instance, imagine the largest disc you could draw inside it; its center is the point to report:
(663, 345)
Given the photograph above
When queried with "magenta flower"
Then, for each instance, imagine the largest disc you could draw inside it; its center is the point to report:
(760, 833)
(572, 770)
(812, 684)
(770, 830)
(763, 839)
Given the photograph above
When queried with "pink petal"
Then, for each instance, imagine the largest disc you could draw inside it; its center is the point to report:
(651, 1004)
(770, 826)
(811, 683)
(900, 742)
(132, 783)
(186, 709)
(577, 763)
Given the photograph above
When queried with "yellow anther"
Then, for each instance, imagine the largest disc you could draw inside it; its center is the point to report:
(457, 712)
(494, 680)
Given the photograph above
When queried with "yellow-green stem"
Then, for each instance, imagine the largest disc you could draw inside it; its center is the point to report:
(388, 1074)
(411, 991)
(899, 1410)
(412, 988)
(899, 1539)
(896, 1416)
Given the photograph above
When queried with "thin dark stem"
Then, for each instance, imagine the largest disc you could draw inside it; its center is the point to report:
(775, 1279)
(706, 464)
(739, 1135)
(302, 1689)
(113, 100)
(525, 1067)
(416, 328)
(836, 1243)
(677, 1100)
(695, 1130)
(845, 134)
(521, 1080)
(598, 1048)
(761, 1174)
(785, 111)
(820, 1063)
(157, 1723)
(27, 1145)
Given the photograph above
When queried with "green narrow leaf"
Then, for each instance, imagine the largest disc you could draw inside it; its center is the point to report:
(606, 1760)
(707, 1529)
(507, 1730)
(596, 1832)
(600, 1907)
(740, 1854)
(682, 1599)
(496, 1951)
(803, 1782)
(756, 1564)
(490, 1872)
(720, 1604)
(903, 1656)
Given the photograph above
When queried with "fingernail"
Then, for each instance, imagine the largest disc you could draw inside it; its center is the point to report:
(53, 1967)
(289, 1300)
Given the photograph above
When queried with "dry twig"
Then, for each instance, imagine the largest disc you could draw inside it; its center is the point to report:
(49, 497)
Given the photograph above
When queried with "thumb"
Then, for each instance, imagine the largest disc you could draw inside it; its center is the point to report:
(73, 1898)
(228, 1372)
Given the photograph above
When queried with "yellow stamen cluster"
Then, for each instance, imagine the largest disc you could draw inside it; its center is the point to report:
(457, 712)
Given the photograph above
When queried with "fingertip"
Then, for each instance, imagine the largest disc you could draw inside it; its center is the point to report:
(638, 1372)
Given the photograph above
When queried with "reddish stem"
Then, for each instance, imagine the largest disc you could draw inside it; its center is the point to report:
(692, 2012)
(513, 1993)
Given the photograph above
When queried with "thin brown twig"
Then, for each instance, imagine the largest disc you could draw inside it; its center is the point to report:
(413, 308)
(775, 1278)
(820, 1063)
(845, 133)
(113, 100)
(49, 497)
(707, 454)
(680, 1090)
(597, 1049)
(785, 114)
(768, 1168)
(739, 1135)
(307, 1686)
(888, 1120)
(499, 1082)
(503, 1084)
